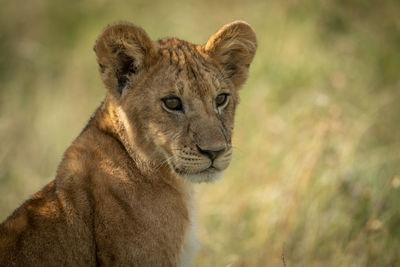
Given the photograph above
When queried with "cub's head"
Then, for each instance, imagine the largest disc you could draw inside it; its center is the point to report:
(175, 101)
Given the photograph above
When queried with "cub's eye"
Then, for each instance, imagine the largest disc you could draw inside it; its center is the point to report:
(172, 103)
(221, 99)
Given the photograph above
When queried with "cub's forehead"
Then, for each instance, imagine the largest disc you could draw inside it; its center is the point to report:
(189, 68)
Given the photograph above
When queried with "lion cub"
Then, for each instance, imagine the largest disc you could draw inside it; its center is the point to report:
(122, 193)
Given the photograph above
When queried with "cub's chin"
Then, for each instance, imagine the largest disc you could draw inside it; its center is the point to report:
(207, 176)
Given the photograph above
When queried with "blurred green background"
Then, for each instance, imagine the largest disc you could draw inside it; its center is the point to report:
(315, 180)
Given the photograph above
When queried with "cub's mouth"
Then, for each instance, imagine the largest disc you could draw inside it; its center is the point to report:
(199, 168)
(210, 174)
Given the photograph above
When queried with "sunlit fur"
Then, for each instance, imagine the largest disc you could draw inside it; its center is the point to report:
(122, 195)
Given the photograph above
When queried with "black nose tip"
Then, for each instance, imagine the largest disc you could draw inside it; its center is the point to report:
(212, 154)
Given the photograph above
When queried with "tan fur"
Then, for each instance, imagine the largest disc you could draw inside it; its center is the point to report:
(122, 195)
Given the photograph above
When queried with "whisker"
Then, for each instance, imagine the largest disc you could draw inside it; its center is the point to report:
(163, 163)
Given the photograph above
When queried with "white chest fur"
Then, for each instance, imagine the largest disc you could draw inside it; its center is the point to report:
(191, 243)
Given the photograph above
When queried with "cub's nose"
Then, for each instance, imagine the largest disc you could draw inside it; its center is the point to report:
(212, 153)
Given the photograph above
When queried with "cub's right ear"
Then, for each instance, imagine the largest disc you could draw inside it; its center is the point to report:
(124, 51)
(233, 47)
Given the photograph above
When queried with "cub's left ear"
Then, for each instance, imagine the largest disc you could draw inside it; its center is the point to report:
(233, 47)
(124, 52)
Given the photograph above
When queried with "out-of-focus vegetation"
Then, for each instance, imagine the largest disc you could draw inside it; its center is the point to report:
(316, 175)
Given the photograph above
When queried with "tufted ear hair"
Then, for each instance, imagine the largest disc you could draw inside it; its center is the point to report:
(233, 47)
(124, 51)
